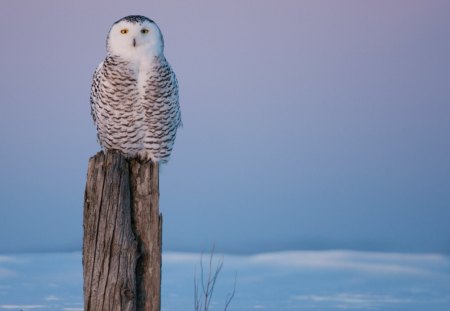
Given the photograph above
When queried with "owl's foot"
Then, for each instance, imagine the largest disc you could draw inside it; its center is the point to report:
(145, 155)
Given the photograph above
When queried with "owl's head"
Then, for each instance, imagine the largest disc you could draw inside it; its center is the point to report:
(133, 36)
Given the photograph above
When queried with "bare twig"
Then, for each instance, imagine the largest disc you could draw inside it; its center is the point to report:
(208, 284)
(230, 296)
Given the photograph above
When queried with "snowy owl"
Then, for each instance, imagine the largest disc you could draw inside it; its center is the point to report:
(134, 95)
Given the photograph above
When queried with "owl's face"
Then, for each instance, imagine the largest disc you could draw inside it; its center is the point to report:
(135, 36)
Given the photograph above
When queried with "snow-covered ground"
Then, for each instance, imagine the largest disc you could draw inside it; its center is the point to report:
(304, 280)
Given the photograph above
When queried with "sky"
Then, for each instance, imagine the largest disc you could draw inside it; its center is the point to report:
(307, 124)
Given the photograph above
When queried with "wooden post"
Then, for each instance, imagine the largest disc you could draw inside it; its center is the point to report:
(122, 235)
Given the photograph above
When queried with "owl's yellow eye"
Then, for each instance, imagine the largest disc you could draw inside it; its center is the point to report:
(124, 31)
(144, 30)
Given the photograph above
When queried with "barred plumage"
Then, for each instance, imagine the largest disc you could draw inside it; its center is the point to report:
(134, 95)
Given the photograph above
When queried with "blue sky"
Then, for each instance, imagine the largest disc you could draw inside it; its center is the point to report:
(307, 124)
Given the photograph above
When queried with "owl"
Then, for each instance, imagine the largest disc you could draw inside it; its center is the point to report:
(134, 94)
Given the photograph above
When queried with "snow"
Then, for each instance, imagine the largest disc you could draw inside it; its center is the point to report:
(295, 280)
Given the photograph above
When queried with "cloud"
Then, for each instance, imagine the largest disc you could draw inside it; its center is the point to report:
(367, 262)
(7, 259)
(353, 301)
(21, 307)
(51, 298)
(181, 257)
(6, 273)
(351, 260)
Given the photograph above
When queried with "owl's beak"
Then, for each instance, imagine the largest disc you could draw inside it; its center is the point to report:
(134, 42)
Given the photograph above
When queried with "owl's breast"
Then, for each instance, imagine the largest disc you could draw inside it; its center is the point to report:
(135, 107)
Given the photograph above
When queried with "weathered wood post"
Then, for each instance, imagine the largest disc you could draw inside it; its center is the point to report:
(122, 235)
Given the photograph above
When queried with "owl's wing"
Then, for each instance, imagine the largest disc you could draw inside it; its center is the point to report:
(176, 101)
(96, 98)
(179, 119)
(95, 94)
(162, 109)
(163, 89)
